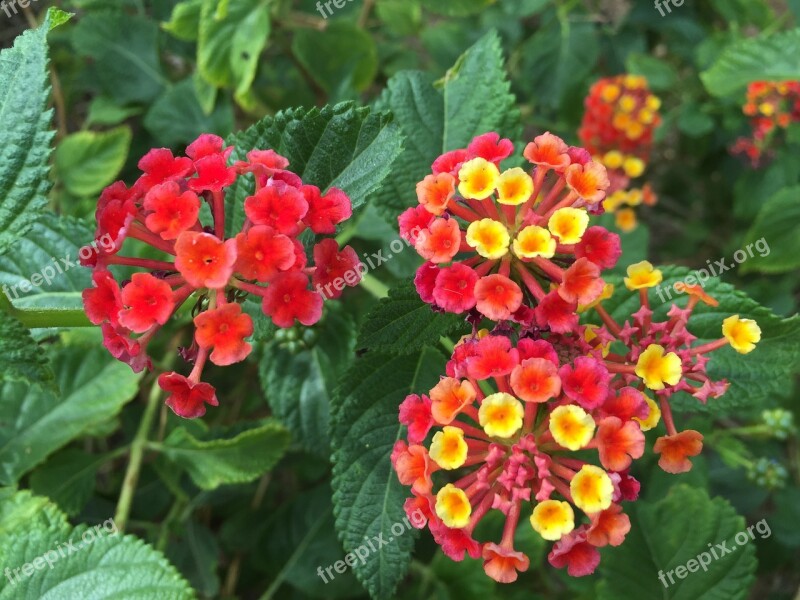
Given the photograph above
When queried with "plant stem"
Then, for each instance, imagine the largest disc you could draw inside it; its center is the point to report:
(137, 454)
(33, 318)
(374, 286)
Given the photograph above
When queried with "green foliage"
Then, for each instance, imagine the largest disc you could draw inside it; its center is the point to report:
(368, 498)
(437, 117)
(25, 135)
(336, 146)
(776, 223)
(402, 324)
(764, 58)
(666, 535)
(67, 478)
(20, 358)
(87, 161)
(219, 458)
(456, 8)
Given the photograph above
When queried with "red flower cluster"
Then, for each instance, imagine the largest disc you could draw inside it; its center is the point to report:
(517, 404)
(163, 210)
(772, 107)
(496, 243)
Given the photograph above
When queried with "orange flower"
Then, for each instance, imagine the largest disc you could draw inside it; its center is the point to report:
(498, 297)
(589, 181)
(582, 283)
(675, 450)
(608, 527)
(502, 564)
(449, 397)
(435, 191)
(439, 243)
(618, 444)
(536, 380)
(413, 466)
(204, 260)
(549, 151)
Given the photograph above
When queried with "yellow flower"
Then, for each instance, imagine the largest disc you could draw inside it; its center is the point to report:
(615, 200)
(448, 448)
(625, 218)
(742, 334)
(653, 102)
(500, 415)
(568, 224)
(534, 241)
(642, 275)
(613, 159)
(634, 130)
(635, 82)
(610, 93)
(656, 368)
(591, 489)
(647, 116)
(571, 426)
(634, 167)
(653, 417)
(553, 519)
(453, 507)
(514, 187)
(490, 238)
(627, 103)
(478, 179)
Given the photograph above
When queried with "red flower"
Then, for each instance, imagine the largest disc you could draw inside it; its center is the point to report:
(213, 174)
(440, 242)
(415, 413)
(497, 296)
(148, 301)
(207, 144)
(582, 283)
(204, 260)
(288, 298)
(455, 543)
(586, 382)
(224, 330)
(449, 162)
(280, 206)
(556, 313)
(269, 159)
(121, 346)
(262, 253)
(529, 348)
(159, 165)
(575, 553)
(332, 265)
(413, 221)
(600, 246)
(455, 288)
(326, 212)
(172, 212)
(425, 281)
(187, 398)
(618, 443)
(494, 357)
(103, 302)
(628, 404)
(490, 147)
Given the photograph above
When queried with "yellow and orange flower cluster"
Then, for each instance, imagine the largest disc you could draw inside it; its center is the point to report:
(772, 107)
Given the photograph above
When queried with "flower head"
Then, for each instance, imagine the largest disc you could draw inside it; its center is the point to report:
(742, 334)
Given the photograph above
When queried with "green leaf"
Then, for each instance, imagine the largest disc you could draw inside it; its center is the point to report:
(196, 554)
(101, 563)
(35, 422)
(43, 269)
(67, 478)
(227, 459)
(177, 116)
(230, 42)
(21, 358)
(368, 498)
(341, 57)
(104, 111)
(124, 53)
(402, 323)
(25, 135)
(667, 535)
(456, 8)
(775, 230)
(438, 118)
(343, 146)
(88, 161)
(184, 23)
(659, 73)
(299, 386)
(756, 379)
(764, 58)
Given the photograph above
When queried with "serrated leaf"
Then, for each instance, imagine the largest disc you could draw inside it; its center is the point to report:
(342, 57)
(755, 379)
(668, 534)
(21, 358)
(299, 386)
(99, 563)
(402, 323)
(25, 136)
(343, 146)
(764, 58)
(776, 226)
(124, 53)
(368, 498)
(88, 161)
(35, 422)
(67, 478)
(436, 120)
(216, 461)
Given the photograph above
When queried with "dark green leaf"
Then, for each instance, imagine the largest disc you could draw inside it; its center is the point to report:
(88, 161)
(775, 232)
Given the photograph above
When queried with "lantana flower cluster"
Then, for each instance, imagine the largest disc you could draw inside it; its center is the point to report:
(541, 420)
(618, 126)
(265, 258)
(495, 242)
(772, 108)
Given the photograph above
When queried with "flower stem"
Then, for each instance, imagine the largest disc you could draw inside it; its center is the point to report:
(33, 318)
